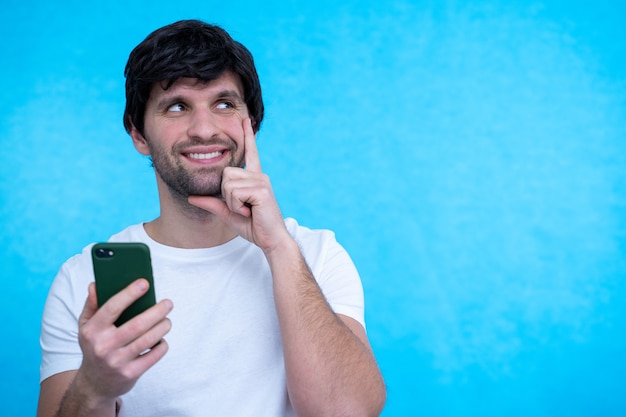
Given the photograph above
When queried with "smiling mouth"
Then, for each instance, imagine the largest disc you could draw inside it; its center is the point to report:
(209, 155)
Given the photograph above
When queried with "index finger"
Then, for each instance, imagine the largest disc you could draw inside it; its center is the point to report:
(251, 152)
(111, 310)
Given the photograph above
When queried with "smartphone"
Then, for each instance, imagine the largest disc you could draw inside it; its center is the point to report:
(116, 265)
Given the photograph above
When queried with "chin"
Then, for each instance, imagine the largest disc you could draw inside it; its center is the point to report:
(208, 189)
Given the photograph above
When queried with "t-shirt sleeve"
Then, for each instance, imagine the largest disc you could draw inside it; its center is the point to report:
(340, 282)
(333, 269)
(60, 350)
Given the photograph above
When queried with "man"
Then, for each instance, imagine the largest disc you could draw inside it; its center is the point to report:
(268, 317)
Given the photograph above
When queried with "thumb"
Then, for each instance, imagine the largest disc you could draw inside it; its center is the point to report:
(211, 204)
(91, 304)
(219, 208)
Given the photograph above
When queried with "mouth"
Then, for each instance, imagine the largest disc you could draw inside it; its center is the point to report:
(204, 156)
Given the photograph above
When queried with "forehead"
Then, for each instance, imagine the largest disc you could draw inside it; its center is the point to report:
(226, 82)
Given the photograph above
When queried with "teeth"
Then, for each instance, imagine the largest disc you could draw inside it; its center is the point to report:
(204, 155)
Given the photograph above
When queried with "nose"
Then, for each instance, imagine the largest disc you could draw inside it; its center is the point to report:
(202, 125)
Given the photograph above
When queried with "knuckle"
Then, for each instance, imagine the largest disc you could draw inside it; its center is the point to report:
(131, 327)
(227, 186)
(114, 310)
(101, 351)
(127, 373)
(85, 333)
(114, 306)
(265, 192)
(118, 363)
(228, 173)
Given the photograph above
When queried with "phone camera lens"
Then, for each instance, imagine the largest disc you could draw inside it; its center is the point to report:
(104, 253)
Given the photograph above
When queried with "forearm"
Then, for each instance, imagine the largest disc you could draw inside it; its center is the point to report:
(79, 401)
(330, 370)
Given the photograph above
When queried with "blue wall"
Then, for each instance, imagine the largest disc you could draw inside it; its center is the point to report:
(471, 157)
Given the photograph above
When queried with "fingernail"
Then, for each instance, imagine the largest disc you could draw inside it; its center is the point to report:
(142, 285)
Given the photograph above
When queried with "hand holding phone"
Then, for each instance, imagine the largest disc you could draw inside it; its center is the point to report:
(116, 265)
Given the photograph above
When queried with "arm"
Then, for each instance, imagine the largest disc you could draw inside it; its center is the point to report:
(329, 364)
(112, 363)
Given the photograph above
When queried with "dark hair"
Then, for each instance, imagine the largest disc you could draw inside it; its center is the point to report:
(190, 49)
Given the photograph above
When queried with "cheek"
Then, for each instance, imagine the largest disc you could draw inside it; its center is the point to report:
(164, 135)
(234, 130)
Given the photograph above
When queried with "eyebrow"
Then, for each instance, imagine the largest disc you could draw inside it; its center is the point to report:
(167, 100)
(229, 93)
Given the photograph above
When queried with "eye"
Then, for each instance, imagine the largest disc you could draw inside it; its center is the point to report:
(177, 107)
(225, 105)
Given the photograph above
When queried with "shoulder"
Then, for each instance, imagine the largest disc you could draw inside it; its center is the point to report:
(79, 267)
(319, 246)
(78, 262)
(309, 239)
(133, 233)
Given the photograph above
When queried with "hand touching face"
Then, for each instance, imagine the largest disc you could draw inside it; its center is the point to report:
(248, 203)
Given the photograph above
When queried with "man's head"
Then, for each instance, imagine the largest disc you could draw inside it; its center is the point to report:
(189, 49)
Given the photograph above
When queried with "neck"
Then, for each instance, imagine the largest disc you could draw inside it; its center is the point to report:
(185, 226)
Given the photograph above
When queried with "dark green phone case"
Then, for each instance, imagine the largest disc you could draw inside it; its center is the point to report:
(115, 266)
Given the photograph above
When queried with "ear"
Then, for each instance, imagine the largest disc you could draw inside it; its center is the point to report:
(141, 144)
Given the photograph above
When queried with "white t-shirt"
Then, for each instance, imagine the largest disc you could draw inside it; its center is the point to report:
(225, 354)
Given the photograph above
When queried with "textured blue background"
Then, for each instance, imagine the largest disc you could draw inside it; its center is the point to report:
(470, 156)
